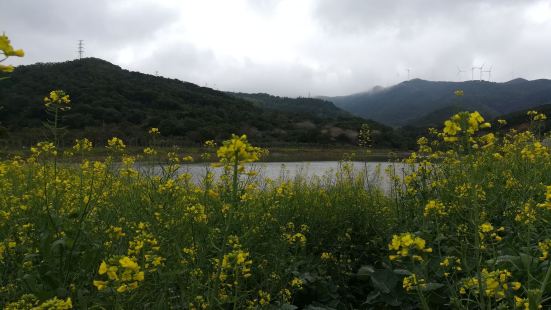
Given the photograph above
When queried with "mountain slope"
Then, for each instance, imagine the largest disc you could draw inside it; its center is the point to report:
(311, 107)
(310, 113)
(109, 101)
(412, 102)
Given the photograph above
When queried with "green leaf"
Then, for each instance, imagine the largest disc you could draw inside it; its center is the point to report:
(384, 280)
(431, 287)
(526, 259)
(311, 307)
(391, 300)
(513, 259)
(372, 297)
(365, 272)
(402, 272)
(58, 246)
(287, 307)
(31, 282)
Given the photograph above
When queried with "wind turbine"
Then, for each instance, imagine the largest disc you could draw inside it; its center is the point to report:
(408, 69)
(480, 68)
(477, 68)
(489, 71)
(459, 71)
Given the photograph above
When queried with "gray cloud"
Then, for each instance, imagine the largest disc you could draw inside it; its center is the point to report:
(49, 29)
(290, 47)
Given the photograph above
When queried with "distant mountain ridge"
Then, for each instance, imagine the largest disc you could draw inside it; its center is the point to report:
(426, 103)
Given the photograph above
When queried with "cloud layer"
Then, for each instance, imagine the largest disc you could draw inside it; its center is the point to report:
(290, 47)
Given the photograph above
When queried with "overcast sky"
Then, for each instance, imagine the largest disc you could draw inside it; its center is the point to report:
(290, 47)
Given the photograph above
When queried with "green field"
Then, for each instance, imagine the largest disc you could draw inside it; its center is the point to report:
(466, 228)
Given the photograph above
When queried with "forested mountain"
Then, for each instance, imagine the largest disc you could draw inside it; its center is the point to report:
(109, 101)
(427, 103)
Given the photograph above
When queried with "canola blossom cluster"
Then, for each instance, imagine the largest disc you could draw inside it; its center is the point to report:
(115, 144)
(408, 245)
(496, 284)
(154, 131)
(413, 282)
(57, 99)
(7, 50)
(463, 125)
(123, 276)
(237, 150)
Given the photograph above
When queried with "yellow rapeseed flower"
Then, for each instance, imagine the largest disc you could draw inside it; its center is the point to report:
(7, 50)
(407, 244)
(154, 131)
(102, 268)
(57, 100)
(486, 227)
(116, 144)
(128, 263)
(451, 128)
(100, 285)
(238, 150)
(122, 288)
(434, 207)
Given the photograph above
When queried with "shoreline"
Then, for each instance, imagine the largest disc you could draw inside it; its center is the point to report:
(275, 154)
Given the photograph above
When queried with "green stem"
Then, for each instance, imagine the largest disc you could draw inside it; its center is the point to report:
(235, 178)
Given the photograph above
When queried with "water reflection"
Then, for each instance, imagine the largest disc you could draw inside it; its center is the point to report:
(317, 171)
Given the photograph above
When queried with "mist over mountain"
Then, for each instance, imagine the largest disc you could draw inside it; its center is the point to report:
(427, 103)
(110, 101)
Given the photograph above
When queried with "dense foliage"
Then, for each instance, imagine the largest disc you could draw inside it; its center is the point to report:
(108, 100)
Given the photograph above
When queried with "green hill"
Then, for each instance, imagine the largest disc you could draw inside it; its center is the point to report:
(420, 103)
(110, 101)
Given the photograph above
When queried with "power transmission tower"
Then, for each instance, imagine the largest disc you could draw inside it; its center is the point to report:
(80, 48)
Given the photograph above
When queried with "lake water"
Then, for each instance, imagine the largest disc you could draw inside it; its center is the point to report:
(324, 171)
